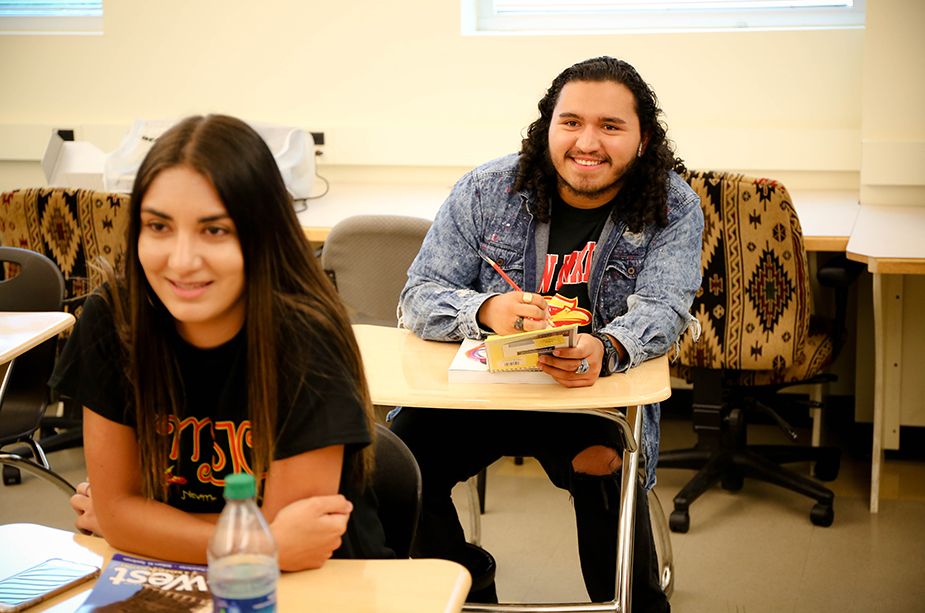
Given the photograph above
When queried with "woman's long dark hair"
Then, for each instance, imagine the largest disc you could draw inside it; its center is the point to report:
(643, 198)
(293, 313)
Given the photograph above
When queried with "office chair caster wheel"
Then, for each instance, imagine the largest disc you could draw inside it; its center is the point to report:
(11, 476)
(827, 470)
(733, 482)
(822, 515)
(679, 521)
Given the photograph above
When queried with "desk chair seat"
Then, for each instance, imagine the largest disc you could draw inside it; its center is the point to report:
(80, 231)
(367, 257)
(818, 353)
(758, 337)
(38, 286)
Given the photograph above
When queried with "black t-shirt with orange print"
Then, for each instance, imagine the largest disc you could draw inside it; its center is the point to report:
(212, 438)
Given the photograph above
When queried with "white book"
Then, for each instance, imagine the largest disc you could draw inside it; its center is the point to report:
(469, 366)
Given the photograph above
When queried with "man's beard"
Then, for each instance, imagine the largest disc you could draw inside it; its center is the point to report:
(596, 193)
(590, 194)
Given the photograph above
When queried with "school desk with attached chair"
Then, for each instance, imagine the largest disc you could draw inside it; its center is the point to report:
(403, 370)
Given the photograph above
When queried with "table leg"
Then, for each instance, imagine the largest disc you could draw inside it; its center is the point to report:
(888, 301)
(5, 372)
(626, 528)
(632, 446)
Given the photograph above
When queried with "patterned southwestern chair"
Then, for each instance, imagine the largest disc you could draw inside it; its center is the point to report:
(758, 337)
(81, 231)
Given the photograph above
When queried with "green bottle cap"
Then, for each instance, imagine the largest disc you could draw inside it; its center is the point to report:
(239, 486)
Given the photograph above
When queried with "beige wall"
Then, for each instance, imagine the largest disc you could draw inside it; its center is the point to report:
(893, 104)
(393, 82)
(893, 173)
(402, 95)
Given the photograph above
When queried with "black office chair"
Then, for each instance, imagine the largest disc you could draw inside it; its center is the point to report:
(39, 286)
(77, 229)
(759, 337)
(397, 483)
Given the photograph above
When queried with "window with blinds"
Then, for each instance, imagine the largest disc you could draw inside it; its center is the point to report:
(532, 16)
(51, 17)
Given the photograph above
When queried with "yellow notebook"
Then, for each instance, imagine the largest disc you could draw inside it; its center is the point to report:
(520, 351)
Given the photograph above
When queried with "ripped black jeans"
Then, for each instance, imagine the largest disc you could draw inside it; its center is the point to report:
(453, 445)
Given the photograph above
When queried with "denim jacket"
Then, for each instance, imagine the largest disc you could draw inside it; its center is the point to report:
(641, 284)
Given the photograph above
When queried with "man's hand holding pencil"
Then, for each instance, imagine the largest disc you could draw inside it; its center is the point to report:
(520, 311)
(514, 312)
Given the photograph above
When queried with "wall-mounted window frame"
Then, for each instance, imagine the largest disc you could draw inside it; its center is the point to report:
(51, 17)
(512, 17)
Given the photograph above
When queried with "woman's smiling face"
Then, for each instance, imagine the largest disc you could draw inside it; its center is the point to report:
(189, 249)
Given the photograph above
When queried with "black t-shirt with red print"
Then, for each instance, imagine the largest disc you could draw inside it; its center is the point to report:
(573, 236)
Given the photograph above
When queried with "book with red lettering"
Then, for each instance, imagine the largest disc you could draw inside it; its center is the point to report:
(135, 585)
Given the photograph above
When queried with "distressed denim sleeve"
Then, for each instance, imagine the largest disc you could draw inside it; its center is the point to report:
(658, 311)
(441, 300)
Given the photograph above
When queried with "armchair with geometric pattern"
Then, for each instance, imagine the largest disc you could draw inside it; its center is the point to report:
(75, 228)
(759, 336)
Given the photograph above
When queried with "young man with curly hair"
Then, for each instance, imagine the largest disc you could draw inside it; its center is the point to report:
(591, 214)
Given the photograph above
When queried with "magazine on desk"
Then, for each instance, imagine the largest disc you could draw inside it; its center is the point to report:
(135, 585)
(509, 359)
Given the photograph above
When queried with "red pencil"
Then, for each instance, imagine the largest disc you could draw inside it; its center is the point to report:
(500, 272)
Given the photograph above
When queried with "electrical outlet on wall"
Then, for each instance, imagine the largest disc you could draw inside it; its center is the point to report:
(320, 150)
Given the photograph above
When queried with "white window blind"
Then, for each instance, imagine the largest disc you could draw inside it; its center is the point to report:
(530, 16)
(51, 17)
(503, 6)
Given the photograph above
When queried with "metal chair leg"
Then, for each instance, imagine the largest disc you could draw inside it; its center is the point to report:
(475, 520)
(662, 536)
(10, 459)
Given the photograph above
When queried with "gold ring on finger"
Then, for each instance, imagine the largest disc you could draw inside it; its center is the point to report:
(528, 297)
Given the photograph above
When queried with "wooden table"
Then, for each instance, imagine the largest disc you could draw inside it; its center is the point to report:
(20, 332)
(349, 199)
(891, 241)
(827, 217)
(364, 586)
(403, 370)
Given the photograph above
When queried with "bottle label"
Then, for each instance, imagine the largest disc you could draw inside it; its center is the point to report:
(261, 604)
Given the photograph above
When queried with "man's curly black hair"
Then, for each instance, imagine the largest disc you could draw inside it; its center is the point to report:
(643, 198)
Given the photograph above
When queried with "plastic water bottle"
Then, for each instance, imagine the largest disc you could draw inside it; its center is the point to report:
(243, 559)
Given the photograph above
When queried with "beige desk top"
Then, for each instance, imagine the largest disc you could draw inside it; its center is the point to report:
(403, 370)
(20, 332)
(889, 239)
(368, 586)
(348, 199)
(827, 217)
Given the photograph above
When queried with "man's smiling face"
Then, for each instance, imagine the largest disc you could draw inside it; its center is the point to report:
(594, 138)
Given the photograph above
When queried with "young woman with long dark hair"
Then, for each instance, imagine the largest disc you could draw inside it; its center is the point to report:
(222, 348)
